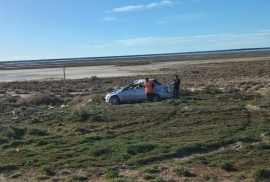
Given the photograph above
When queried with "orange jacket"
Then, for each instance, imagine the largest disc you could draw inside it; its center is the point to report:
(148, 87)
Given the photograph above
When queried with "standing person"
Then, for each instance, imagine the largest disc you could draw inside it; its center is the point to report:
(148, 88)
(176, 84)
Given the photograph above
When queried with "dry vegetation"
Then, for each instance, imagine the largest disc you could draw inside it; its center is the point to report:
(218, 131)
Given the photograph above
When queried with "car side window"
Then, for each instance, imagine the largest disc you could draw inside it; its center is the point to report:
(138, 86)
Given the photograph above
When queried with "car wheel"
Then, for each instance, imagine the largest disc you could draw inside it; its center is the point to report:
(114, 100)
(156, 98)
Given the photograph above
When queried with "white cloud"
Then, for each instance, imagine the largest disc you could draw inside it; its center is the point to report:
(162, 3)
(141, 7)
(228, 39)
(128, 8)
(102, 46)
(152, 5)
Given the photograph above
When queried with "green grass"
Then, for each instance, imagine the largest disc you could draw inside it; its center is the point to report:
(181, 171)
(261, 173)
(141, 137)
(111, 174)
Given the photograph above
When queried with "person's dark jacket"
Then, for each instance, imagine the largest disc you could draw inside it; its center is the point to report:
(176, 84)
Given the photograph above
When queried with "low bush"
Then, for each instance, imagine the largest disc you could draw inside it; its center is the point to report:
(111, 173)
(140, 148)
(82, 111)
(96, 98)
(40, 99)
(37, 132)
(261, 173)
(8, 99)
(181, 171)
(42, 142)
(101, 151)
(148, 177)
(35, 121)
(76, 100)
(98, 118)
(12, 132)
(222, 164)
(75, 178)
(151, 169)
(81, 130)
(209, 90)
(46, 170)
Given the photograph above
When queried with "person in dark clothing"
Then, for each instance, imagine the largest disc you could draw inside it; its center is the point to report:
(175, 85)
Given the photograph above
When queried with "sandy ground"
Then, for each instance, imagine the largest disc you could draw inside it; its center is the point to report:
(104, 71)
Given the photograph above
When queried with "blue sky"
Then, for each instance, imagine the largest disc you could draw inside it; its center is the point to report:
(42, 29)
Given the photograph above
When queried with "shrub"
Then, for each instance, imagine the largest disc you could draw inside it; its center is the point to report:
(101, 151)
(81, 130)
(267, 95)
(82, 111)
(151, 169)
(230, 89)
(208, 90)
(42, 142)
(13, 132)
(2, 141)
(96, 98)
(37, 132)
(181, 171)
(46, 170)
(40, 100)
(159, 179)
(222, 164)
(111, 173)
(98, 118)
(140, 148)
(76, 100)
(35, 121)
(75, 178)
(201, 158)
(261, 173)
(11, 99)
(148, 177)
(94, 77)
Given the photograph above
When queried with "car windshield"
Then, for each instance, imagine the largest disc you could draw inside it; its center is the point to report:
(138, 84)
(129, 86)
(156, 82)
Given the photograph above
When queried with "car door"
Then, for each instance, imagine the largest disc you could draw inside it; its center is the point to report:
(140, 94)
(127, 95)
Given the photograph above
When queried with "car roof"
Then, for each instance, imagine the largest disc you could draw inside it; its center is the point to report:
(142, 80)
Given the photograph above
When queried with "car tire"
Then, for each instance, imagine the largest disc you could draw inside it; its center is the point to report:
(156, 98)
(114, 100)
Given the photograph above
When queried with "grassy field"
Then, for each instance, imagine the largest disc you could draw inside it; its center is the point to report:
(219, 131)
(206, 136)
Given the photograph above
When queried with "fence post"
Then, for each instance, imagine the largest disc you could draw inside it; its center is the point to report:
(64, 71)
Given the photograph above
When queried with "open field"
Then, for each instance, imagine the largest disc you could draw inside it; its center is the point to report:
(218, 131)
(119, 67)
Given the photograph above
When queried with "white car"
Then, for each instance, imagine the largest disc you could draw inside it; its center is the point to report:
(134, 92)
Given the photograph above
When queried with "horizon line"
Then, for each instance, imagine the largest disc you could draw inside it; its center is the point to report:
(137, 55)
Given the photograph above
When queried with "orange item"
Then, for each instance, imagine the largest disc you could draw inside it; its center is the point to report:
(148, 87)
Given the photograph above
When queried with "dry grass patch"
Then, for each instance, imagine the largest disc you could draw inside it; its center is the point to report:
(251, 107)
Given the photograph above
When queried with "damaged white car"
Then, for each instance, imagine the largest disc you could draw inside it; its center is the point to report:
(134, 92)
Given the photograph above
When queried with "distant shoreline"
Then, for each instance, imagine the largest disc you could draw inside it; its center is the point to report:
(135, 60)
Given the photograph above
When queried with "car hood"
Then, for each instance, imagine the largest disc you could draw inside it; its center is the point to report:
(113, 92)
